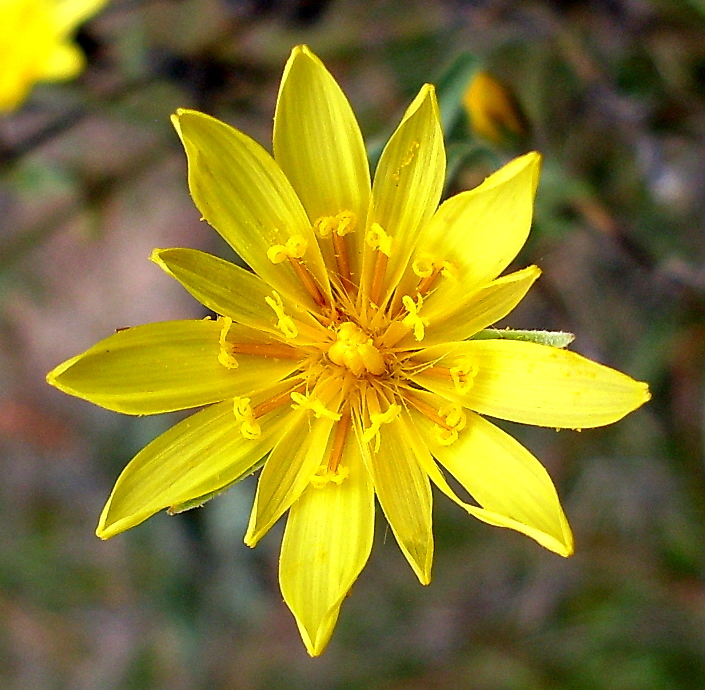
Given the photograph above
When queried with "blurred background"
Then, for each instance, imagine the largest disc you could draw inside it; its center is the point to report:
(92, 178)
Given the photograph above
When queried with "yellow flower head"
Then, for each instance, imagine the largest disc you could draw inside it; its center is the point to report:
(492, 109)
(347, 363)
(35, 44)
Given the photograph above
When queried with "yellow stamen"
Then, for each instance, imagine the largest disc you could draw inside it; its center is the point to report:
(337, 227)
(314, 404)
(426, 283)
(377, 418)
(323, 476)
(378, 239)
(463, 375)
(455, 421)
(243, 414)
(294, 248)
(413, 320)
(292, 251)
(284, 323)
(423, 266)
(225, 356)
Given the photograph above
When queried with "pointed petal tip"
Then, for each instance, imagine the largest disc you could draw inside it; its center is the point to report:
(101, 533)
(315, 640)
(251, 539)
(156, 258)
(52, 378)
(103, 530)
(298, 53)
(316, 647)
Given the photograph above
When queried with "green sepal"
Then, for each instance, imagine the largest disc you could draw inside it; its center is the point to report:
(558, 339)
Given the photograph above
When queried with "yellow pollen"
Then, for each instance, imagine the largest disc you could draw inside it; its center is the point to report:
(378, 239)
(355, 351)
(225, 354)
(340, 224)
(454, 419)
(376, 421)
(294, 248)
(463, 375)
(407, 159)
(413, 320)
(284, 323)
(314, 404)
(449, 270)
(243, 414)
(324, 475)
(423, 266)
(336, 227)
(325, 225)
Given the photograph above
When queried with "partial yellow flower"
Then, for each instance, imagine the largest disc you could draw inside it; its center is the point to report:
(355, 359)
(36, 44)
(492, 109)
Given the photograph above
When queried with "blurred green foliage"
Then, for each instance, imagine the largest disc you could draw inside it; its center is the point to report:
(92, 177)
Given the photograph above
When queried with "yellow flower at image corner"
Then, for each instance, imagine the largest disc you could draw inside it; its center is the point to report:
(354, 360)
(492, 109)
(36, 44)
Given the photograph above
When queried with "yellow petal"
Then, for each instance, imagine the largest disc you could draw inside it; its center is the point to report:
(464, 316)
(404, 493)
(288, 470)
(163, 367)
(70, 13)
(27, 37)
(63, 62)
(492, 109)
(408, 182)
(223, 287)
(480, 231)
(510, 484)
(246, 197)
(200, 455)
(318, 144)
(326, 544)
(535, 384)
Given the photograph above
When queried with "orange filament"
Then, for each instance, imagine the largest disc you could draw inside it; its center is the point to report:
(265, 350)
(425, 409)
(378, 277)
(307, 280)
(277, 401)
(425, 283)
(439, 372)
(340, 248)
(341, 433)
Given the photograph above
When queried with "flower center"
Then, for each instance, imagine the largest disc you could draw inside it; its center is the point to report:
(355, 351)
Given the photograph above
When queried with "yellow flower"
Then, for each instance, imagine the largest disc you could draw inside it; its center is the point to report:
(492, 109)
(35, 44)
(347, 364)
